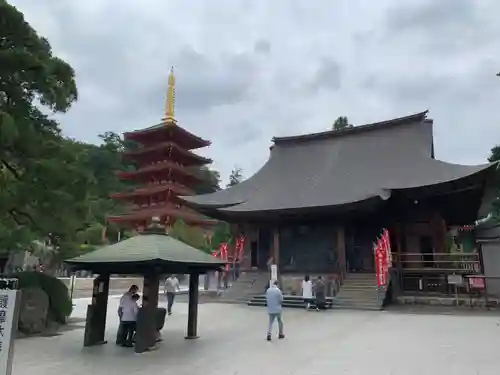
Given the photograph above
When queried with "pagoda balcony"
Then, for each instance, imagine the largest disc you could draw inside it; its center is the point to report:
(140, 216)
(140, 203)
(167, 132)
(174, 203)
(165, 170)
(169, 150)
(154, 190)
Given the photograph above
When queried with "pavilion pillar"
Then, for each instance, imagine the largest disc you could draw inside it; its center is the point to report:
(95, 324)
(192, 326)
(147, 325)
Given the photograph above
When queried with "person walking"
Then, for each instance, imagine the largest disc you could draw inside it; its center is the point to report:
(134, 289)
(274, 301)
(320, 294)
(307, 291)
(171, 287)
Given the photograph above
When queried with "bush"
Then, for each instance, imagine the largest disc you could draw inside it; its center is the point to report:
(60, 304)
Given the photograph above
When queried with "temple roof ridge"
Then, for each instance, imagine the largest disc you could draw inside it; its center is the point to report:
(416, 117)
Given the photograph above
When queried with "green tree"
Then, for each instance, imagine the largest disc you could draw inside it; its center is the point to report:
(43, 190)
(221, 234)
(341, 123)
(190, 235)
(210, 180)
(235, 177)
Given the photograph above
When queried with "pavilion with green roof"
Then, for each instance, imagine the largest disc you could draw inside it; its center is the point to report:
(152, 253)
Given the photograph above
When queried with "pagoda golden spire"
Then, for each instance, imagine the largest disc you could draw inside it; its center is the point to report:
(170, 104)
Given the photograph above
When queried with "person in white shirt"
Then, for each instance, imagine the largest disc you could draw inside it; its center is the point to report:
(126, 296)
(171, 287)
(307, 291)
(130, 310)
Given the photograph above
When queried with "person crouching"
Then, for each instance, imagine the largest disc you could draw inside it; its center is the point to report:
(130, 310)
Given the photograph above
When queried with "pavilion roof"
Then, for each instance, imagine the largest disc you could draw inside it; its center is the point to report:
(151, 249)
(339, 168)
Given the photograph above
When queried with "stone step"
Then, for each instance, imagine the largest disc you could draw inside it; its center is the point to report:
(354, 299)
(358, 286)
(361, 276)
(288, 301)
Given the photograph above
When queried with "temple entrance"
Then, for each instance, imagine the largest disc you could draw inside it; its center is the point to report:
(254, 254)
(263, 249)
(359, 248)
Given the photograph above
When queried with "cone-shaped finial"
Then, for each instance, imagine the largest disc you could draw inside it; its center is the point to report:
(170, 104)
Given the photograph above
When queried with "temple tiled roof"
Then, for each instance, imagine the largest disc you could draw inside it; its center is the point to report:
(336, 168)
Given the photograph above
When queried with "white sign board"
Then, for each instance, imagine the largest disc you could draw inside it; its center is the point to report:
(274, 274)
(8, 308)
(455, 279)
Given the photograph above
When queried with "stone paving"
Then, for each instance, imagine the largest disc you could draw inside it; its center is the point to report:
(233, 342)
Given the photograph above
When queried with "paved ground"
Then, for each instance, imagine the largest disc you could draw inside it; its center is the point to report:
(233, 342)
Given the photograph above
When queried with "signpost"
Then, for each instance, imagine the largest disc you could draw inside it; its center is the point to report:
(9, 313)
(274, 274)
(456, 281)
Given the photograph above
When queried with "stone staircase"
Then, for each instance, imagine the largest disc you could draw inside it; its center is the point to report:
(288, 301)
(359, 291)
(246, 287)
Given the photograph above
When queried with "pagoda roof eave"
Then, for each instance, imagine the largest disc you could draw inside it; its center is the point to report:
(137, 154)
(152, 190)
(158, 168)
(337, 170)
(198, 142)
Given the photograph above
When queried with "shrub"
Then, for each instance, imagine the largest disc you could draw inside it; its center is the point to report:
(60, 304)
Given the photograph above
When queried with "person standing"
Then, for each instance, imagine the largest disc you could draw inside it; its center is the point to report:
(274, 301)
(134, 289)
(171, 287)
(320, 293)
(236, 269)
(130, 310)
(307, 291)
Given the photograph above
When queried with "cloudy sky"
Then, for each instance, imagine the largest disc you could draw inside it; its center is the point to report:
(248, 70)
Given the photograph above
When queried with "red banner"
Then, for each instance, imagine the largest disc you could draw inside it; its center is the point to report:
(380, 263)
(387, 245)
(240, 244)
(223, 253)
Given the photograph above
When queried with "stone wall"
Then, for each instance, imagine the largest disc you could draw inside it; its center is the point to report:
(448, 301)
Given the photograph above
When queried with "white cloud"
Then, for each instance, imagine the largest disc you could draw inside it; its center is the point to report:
(248, 70)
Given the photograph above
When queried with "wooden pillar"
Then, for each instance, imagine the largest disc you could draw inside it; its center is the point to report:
(276, 246)
(341, 251)
(95, 324)
(192, 326)
(147, 320)
(399, 244)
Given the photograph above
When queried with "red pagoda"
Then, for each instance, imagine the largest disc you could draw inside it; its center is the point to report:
(164, 163)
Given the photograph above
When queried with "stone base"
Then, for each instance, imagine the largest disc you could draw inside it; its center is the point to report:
(461, 301)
